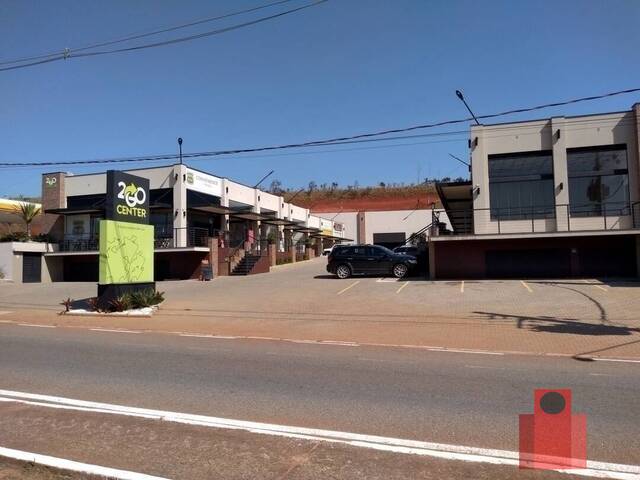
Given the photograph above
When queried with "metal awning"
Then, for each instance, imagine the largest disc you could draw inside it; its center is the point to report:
(74, 211)
(248, 215)
(217, 209)
(306, 229)
(280, 222)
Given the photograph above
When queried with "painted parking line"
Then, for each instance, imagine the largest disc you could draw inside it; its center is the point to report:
(389, 444)
(4, 312)
(347, 288)
(73, 466)
(34, 325)
(524, 284)
(386, 280)
(462, 286)
(113, 330)
(402, 286)
(600, 287)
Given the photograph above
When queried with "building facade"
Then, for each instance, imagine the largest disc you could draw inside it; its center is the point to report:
(197, 217)
(551, 197)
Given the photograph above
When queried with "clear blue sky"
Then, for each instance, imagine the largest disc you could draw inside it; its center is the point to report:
(344, 67)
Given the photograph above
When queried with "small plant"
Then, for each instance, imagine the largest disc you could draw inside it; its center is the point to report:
(67, 304)
(120, 304)
(93, 304)
(1, 273)
(15, 237)
(28, 212)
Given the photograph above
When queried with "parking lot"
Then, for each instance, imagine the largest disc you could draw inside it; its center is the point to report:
(306, 291)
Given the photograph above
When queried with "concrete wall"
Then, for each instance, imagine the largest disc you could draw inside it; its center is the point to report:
(557, 135)
(160, 177)
(393, 221)
(6, 260)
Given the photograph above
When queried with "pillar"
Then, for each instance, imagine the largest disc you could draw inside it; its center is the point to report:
(53, 196)
(362, 228)
(432, 260)
(560, 175)
(180, 206)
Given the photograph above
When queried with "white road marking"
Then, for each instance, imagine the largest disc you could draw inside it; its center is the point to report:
(526, 286)
(34, 325)
(65, 464)
(7, 321)
(595, 285)
(347, 288)
(601, 288)
(389, 444)
(482, 366)
(387, 280)
(462, 286)
(620, 360)
(4, 312)
(113, 330)
(403, 285)
(197, 335)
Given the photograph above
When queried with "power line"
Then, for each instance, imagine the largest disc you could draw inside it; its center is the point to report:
(67, 54)
(142, 35)
(332, 141)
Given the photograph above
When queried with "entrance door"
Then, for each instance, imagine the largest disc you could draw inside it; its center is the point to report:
(31, 267)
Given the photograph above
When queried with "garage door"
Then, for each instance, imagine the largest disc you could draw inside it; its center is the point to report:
(389, 240)
(31, 267)
(542, 263)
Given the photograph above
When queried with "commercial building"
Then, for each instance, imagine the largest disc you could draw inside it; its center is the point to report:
(199, 219)
(555, 197)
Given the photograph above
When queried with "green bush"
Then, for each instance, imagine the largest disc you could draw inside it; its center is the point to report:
(15, 237)
(139, 299)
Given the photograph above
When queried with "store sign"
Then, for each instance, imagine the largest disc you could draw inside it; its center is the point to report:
(203, 183)
(126, 238)
(51, 181)
(127, 197)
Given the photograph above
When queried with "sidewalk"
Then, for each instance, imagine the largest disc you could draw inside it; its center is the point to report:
(494, 335)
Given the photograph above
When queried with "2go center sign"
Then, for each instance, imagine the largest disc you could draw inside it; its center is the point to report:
(127, 197)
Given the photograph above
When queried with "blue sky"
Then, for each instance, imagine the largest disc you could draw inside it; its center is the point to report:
(343, 67)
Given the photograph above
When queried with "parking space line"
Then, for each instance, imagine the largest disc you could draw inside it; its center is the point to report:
(524, 284)
(462, 286)
(595, 285)
(402, 286)
(347, 288)
(34, 325)
(113, 330)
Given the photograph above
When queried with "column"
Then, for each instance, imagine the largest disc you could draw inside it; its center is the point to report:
(179, 206)
(560, 176)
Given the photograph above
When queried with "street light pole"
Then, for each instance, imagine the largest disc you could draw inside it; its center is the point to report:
(180, 146)
(461, 97)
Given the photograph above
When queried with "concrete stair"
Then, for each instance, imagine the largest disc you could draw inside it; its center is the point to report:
(245, 266)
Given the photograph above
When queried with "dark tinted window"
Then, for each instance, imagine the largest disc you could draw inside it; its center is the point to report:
(598, 181)
(521, 186)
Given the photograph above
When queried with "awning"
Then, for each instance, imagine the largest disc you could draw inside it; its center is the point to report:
(280, 222)
(74, 211)
(253, 216)
(306, 229)
(217, 209)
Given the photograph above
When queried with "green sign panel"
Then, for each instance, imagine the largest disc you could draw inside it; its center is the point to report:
(126, 252)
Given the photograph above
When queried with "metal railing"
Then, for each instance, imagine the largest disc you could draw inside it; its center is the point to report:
(544, 219)
(163, 238)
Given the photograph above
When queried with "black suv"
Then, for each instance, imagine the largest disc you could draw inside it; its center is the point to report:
(348, 260)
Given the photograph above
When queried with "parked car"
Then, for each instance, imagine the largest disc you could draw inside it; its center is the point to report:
(348, 260)
(407, 249)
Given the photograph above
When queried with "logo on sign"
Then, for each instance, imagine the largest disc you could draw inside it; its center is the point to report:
(190, 178)
(131, 194)
(51, 181)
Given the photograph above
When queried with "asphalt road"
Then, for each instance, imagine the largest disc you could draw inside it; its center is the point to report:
(448, 397)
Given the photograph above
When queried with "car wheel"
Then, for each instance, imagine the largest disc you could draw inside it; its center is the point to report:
(400, 270)
(343, 271)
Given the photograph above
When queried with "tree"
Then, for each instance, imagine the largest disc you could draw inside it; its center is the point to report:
(28, 212)
(276, 187)
(312, 186)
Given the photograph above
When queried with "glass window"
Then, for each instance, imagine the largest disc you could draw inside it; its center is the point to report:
(521, 186)
(598, 181)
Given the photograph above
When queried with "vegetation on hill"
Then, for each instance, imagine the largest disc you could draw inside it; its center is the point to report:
(314, 193)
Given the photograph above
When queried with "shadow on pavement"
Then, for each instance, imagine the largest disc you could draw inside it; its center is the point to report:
(562, 325)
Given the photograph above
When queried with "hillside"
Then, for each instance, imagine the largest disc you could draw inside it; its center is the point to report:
(354, 199)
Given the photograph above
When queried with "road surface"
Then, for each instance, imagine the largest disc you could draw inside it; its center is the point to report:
(446, 397)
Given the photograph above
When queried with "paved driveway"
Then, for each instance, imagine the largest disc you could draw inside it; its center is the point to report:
(305, 290)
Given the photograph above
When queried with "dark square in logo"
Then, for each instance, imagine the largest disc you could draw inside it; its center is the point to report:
(127, 197)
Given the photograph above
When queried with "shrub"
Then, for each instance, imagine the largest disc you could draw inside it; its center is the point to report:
(43, 237)
(15, 237)
(120, 304)
(142, 298)
(67, 304)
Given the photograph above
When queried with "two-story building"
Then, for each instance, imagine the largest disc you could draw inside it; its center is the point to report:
(555, 197)
(196, 216)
